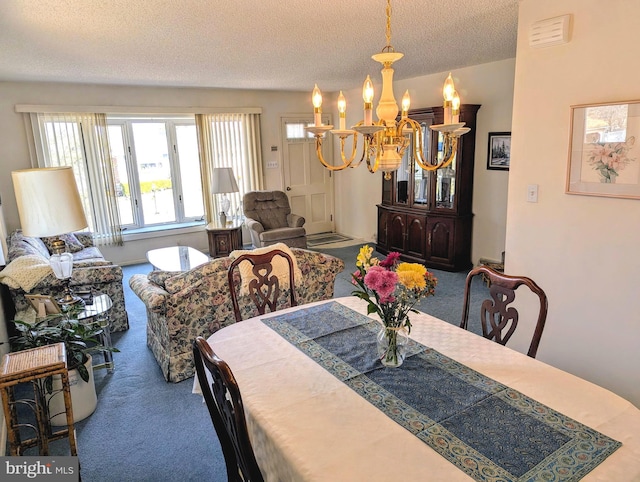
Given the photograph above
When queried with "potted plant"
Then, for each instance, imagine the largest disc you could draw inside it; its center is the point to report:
(80, 339)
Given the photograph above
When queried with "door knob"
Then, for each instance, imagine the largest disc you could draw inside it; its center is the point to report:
(288, 188)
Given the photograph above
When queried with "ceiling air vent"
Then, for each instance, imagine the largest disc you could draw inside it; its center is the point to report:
(552, 31)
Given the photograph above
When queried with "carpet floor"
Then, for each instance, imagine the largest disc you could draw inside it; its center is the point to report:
(145, 429)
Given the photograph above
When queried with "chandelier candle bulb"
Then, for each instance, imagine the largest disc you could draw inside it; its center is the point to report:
(316, 99)
(342, 110)
(447, 92)
(406, 103)
(367, 96)
(455, 108)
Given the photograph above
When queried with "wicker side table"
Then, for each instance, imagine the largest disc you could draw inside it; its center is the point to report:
(34, 366)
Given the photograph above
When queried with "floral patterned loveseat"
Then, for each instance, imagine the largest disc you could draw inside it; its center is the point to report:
(182, 306)
(91, 272)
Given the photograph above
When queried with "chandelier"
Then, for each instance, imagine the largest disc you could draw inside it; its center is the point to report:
(386, 140)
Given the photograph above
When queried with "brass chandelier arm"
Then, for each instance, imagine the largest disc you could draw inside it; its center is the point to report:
(450, 146)
(331, 167)
(368, 150)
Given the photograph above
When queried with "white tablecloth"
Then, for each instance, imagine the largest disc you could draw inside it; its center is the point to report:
(307, 425)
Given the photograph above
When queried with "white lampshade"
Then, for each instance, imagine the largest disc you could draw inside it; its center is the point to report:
(223, 180)
(48, 201)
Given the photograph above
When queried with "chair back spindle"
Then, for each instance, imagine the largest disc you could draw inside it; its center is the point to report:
(264, 287)
(499, 320)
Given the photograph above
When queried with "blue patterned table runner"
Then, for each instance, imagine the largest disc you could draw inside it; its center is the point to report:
(488, 430)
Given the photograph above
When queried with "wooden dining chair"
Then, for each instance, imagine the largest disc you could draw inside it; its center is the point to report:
(498, 319)
(264, 287)
(224, 402)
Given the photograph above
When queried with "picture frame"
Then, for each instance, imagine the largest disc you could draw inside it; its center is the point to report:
(604, 150)
(44, 305)
(499, 151)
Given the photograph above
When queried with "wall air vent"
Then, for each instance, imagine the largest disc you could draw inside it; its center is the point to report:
(552, 31)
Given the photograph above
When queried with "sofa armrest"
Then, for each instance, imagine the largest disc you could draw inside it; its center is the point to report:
(254, 225)
(152, 295)
(319, 273)
(91, 264)
(96, 274)
(295, 221)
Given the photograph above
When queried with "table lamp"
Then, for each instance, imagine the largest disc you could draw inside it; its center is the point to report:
(224, 182)
(49, 205)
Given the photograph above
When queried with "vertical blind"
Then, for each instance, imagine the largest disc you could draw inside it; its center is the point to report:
(80, 140)
(230, 140)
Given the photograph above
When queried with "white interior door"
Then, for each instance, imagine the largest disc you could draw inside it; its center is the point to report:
(308, 184)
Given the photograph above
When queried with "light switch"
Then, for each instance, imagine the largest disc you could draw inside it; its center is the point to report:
(272, 164)
(532, 193)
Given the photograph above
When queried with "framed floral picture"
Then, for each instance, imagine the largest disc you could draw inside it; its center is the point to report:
(604, 150)
(499, 151)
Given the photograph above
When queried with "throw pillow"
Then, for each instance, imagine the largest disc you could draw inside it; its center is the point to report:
(73, 245)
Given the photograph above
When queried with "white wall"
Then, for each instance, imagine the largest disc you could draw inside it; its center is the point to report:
(14, 153)
(583, 251)
(491, 85)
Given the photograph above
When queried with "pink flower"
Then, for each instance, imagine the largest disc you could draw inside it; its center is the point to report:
(356, 275)
(387, 299)
(390, 261)
(381, 281)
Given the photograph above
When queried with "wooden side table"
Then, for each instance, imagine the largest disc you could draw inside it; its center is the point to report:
(35, 366)
(224, 239)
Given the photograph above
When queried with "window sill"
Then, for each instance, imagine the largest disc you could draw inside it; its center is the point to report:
(161, 231)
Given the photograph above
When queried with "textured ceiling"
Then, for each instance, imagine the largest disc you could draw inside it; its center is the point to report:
(250, 44)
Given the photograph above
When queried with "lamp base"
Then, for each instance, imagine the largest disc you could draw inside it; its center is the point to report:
(68, 298)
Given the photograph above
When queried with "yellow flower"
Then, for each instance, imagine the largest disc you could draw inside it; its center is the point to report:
(411, 275)
(364, 256)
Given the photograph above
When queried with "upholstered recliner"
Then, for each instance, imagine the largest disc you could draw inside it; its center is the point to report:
(269, 220)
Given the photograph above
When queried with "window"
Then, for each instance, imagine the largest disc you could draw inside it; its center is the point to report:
(156, 169)
(147, 172)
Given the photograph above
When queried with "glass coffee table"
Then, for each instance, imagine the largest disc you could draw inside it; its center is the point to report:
(176, 258)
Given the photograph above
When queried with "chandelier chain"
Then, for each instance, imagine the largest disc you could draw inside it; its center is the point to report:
(389, 47)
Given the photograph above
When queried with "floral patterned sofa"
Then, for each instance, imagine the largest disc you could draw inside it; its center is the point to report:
(182, 306)
(90, 272)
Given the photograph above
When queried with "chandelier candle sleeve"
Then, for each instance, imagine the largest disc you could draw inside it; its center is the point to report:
(455, 108)
(447, 92)
(316, 99)
(406, 103)
(342, 111)
(367, 96)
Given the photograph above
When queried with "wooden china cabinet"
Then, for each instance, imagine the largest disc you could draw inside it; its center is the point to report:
(427, 216)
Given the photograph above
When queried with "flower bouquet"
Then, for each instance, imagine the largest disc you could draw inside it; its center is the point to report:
(391, 290)
(610, 158)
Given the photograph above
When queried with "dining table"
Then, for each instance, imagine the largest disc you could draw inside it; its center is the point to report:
(320, 406)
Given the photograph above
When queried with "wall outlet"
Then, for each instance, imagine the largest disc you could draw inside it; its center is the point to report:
(272, 164)
(532, 193)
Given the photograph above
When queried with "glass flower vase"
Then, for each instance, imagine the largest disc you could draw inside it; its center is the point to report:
(392, 346)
